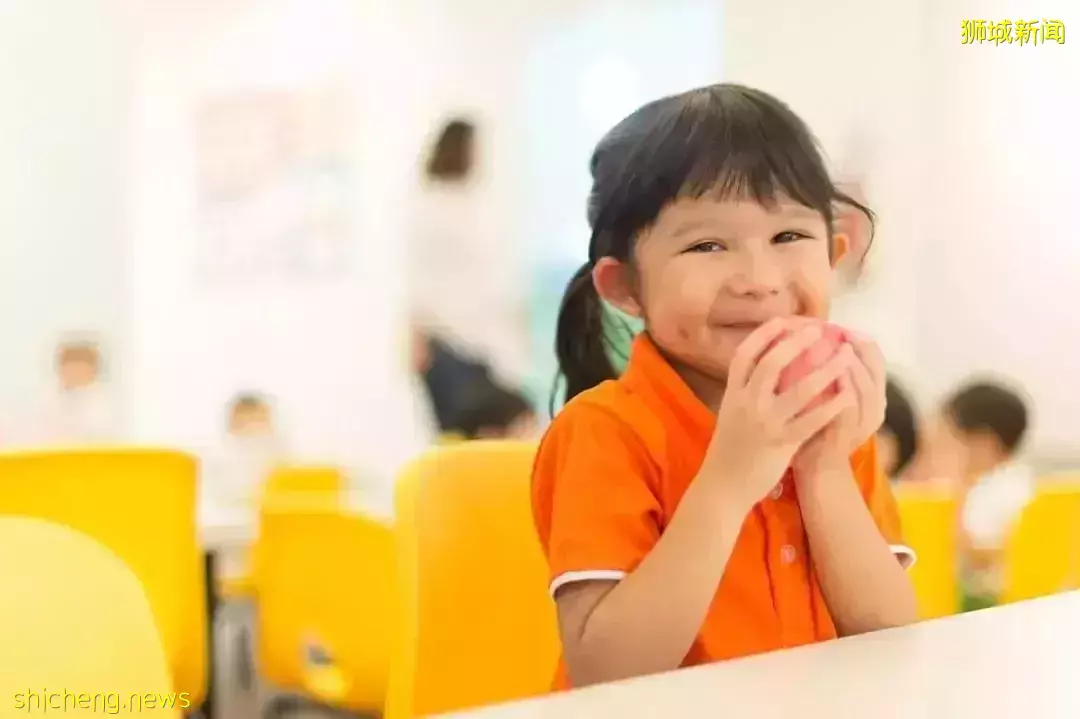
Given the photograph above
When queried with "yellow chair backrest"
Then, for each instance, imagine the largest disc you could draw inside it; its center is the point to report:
(327, 591)
(77, 635)
(478, 624)
(1042, 553)
(287, 480)
(296, 488)
(140, 503)
(928, 517)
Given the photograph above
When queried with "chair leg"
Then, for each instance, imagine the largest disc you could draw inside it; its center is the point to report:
(244, 670)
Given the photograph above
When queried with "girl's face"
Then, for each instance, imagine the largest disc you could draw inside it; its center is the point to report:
(710, 272)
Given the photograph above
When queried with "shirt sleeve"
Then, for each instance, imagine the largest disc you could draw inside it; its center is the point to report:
(878, 494)
(594, 503)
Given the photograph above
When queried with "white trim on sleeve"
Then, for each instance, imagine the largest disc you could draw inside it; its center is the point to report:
(587, 575)
(905, 554)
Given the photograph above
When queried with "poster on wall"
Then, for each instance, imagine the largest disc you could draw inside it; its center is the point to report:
(273, 185)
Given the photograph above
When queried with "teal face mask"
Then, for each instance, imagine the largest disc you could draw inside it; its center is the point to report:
(619, 332)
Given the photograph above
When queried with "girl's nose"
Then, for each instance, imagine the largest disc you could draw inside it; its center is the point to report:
(757, 276)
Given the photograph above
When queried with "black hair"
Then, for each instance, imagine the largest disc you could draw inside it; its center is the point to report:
(451, 159)
(489, 405)
(988, 407)
(900, 423)
(247, 401)
(722, 141)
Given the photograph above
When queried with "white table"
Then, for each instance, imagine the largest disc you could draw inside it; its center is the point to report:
(1019, 661)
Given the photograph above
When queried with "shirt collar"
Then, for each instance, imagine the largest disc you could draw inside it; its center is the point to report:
(652, 377)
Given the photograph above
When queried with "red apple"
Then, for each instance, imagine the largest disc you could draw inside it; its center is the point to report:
(832, 339)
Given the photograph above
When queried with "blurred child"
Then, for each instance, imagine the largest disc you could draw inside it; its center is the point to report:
(698, 507)
(494, 412)
(897, 440)
(972, 444)
(82, 410)
(251, 448)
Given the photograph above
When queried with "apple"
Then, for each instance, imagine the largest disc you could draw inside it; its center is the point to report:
(832, 339)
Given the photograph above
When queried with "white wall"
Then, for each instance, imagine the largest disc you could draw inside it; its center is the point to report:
(328, 349)
(1001, 250)
(976, 165)
(65, 79)
(330, 352)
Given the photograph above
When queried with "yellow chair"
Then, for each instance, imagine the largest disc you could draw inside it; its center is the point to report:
(478, 625)
(285, 481)
(76, 630)
(327, 589)
(1042, 553)
(284, 487)
(928, 516)
(139, 503)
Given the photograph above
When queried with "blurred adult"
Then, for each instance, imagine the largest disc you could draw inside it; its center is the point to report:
(448, 377)
(458, 259)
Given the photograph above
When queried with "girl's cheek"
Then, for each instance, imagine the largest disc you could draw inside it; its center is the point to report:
(812, 291)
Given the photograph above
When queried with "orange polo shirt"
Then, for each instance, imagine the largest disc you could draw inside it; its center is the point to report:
(609, 475)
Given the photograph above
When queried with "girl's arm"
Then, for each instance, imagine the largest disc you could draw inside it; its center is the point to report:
(646, 622)
(864, 585)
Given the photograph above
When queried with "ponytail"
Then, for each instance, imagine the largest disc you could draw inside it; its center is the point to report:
(579, 336)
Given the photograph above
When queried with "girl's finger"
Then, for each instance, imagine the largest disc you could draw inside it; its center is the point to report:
(803, 428)
(794, 401)
(869, 354)
(869, 393)
(765, 376)
(752, 348)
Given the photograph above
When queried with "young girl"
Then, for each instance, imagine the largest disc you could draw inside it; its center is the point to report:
(690, 511)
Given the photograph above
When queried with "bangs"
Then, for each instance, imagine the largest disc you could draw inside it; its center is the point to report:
(724, 142)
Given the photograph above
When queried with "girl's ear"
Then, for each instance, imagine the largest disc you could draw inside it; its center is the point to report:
(841, 244)
(615, 284)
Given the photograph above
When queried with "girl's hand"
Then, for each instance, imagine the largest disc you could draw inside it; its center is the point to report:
(865, 383)
(758, 431)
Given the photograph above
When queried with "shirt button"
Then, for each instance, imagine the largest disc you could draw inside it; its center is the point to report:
(778, 490)
(787, 554)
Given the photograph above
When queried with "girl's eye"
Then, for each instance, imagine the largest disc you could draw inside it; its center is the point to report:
(707, 246)
(790, 236)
